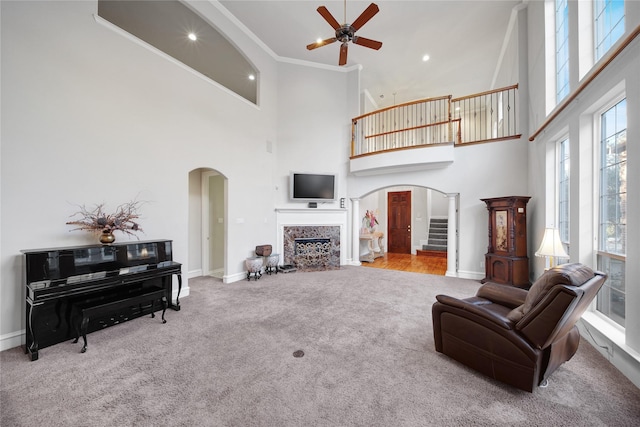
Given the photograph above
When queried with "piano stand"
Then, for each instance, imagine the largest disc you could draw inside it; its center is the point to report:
(111, 304)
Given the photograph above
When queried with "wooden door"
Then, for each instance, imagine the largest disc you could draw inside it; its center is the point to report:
(399, 225)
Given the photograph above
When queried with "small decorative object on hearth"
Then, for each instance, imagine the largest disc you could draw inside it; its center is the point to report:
(271, 263)
(369, 221)
(263, 250)
(97, 221)
(254, 266)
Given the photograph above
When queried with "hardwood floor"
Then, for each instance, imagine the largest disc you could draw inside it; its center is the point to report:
(408, 262)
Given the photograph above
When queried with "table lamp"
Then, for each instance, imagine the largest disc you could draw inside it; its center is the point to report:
(551, 246)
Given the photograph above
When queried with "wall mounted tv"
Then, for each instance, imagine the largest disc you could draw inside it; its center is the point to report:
(312, 187)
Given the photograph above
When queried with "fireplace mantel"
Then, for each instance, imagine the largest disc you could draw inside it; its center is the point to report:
(310, 210)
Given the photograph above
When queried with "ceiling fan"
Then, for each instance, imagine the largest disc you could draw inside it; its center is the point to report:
(345, 33)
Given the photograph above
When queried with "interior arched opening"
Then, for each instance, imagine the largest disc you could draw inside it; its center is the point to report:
(414, 222)
(207, 223)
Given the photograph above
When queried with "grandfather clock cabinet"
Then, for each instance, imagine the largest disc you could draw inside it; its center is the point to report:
(506, 260)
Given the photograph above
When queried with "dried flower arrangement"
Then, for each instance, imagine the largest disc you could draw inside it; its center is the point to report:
(96, 220)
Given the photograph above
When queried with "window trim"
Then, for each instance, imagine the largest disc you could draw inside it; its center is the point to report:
(566, 65)
(608, 101)
(597, 115)
(558, 143)
(595, 29)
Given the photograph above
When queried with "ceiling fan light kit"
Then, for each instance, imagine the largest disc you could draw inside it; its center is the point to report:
(345, 33)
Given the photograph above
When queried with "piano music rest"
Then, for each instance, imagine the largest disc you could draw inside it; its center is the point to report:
(110, 303)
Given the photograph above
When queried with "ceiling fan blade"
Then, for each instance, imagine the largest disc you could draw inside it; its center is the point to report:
(321, 43)
(371, 44)
(365, 16)
(328, 17)
(343, 54)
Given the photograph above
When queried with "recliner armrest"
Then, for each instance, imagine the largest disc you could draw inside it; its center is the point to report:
(502, 294)
(476, 309)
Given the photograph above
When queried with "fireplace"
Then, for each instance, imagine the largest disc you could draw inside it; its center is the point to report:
(312, 248)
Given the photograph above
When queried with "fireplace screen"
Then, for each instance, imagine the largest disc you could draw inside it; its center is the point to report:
(312, 252)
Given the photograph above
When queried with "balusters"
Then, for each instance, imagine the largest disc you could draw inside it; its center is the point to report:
(480, 117)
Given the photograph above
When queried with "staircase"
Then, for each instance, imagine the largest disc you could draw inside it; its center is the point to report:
(437, 244)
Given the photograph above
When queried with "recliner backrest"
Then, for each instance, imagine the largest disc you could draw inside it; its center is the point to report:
(559, 310)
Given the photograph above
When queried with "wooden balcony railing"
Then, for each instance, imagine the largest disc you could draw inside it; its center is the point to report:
(476, 118)
(487, 116)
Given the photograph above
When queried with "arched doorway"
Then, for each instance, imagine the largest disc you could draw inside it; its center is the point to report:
(207, 222)
(415, 221)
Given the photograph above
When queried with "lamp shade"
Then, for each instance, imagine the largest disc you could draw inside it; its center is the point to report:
(551, 245)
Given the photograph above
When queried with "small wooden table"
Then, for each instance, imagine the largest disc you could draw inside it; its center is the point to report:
(371, 246)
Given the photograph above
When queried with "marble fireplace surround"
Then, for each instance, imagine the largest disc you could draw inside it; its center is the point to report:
(312, 248)
(312, 223)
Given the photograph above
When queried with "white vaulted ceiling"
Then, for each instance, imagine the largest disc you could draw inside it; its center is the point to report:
(463, 39)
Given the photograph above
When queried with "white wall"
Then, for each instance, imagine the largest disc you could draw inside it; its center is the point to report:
(314, 127)
(439, 206)
(195, 223)
(422, 209)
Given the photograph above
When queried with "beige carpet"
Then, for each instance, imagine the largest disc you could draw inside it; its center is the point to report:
(227, 359)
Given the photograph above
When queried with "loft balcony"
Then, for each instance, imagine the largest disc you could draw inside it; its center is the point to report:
(422, 134)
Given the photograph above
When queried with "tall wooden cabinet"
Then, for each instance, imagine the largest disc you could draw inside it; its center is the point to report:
(506, 260)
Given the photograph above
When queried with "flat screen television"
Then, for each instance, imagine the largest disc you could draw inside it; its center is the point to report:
(312, 187)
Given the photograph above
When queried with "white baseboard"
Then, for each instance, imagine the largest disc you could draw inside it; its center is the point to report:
(236, 277)
(474, 275)
(194, 273)
(12, 339)
(184, 292)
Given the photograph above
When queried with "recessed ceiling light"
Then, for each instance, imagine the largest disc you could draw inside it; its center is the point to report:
(193, 37)
(252, 77)
(425, 58)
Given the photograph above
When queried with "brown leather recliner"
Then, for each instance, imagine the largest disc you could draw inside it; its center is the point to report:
(516, 336)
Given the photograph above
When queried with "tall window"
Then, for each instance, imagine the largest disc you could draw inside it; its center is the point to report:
(563, 192)
(562, 49)
(612, 221)
(609, 24)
